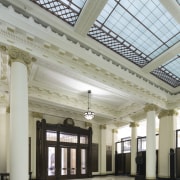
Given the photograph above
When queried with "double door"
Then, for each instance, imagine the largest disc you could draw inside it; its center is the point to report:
(66, 162)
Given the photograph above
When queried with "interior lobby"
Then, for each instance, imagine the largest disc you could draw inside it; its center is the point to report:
(89, 89)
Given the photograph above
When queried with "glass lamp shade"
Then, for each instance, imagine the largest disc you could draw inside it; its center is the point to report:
(89, 115)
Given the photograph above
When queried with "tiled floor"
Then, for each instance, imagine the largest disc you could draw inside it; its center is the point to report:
(110, 178)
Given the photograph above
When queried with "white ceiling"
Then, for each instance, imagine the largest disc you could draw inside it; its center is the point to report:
(64, 70)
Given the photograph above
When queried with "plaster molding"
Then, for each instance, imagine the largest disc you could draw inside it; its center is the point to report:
(69, 44)
(165, 113)
(150, 107)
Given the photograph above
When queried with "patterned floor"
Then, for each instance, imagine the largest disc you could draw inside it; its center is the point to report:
(110, 178)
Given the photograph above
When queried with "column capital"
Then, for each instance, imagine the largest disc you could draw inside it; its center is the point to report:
(3, 48)
(170, 112)
(114, 131)
(102, 126)
(133, 124)
(150, 107)
(18, 55)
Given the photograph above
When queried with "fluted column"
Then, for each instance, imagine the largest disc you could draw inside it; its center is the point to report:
(133, 126)
(151, 109)
(18, 61)
(167, 138)
(103, 150)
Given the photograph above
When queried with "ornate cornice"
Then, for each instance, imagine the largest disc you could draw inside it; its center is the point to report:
(150, 107)
(18, 55)
(134, 124)
(165, 113)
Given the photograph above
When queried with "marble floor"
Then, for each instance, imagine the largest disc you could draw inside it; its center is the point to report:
(110, 178)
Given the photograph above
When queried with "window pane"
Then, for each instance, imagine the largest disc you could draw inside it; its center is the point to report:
(119, 147)
(51, 136)
(73, 161)
(69, 138)
(84, 140)
(63, 161)
(178, 138)
(83, 161)
(51, 161)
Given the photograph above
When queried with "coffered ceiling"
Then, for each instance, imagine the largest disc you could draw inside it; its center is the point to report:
(120, 50)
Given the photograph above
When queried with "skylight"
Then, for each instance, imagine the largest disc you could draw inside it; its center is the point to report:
(67, 10)
(169, 72)
(139, 30)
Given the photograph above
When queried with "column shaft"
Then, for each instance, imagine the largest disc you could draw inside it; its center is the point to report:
(166, 141)
(19, 122)
(133, 147)
(151, 146)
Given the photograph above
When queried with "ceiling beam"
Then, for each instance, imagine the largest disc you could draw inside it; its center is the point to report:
(163, 58)
(88, 16)
(173, 8)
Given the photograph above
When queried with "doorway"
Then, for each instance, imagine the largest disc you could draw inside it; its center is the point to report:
(65, 151)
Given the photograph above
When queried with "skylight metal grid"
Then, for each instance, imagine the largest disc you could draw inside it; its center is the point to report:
(169, 72)
(143, 27)
(67, 10)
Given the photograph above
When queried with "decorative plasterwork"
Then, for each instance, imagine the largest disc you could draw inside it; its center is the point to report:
(150, 107)
(60, 40)
(133, 124)
(165, 113)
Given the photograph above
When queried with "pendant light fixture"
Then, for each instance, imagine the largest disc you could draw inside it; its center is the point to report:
(89, 115)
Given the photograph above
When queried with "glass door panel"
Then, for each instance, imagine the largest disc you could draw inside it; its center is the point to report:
(73, 161)
(64, 161)
(51, 161)
(83, 161)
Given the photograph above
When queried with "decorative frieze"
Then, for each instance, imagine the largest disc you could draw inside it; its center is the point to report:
(150, 107)
(165, 113)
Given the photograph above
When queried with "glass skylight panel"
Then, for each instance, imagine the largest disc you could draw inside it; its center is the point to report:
(145, 24)
(67, 10)
(173, 66)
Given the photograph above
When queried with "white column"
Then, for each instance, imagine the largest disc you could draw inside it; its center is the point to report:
(133, 126)
(167, 136)
(3, 140)
(103, 150)
(150, 109)
(114, 140)
(19, 114)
